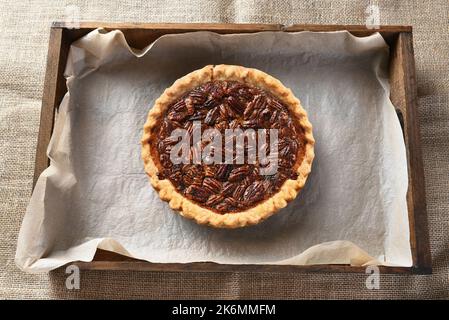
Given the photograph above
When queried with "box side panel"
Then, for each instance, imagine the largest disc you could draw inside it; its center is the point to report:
(403, 85)
(54, 89)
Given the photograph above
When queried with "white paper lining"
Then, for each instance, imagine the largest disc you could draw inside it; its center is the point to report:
(95, 192)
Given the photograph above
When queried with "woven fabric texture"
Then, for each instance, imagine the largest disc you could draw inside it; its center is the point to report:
(23, 47)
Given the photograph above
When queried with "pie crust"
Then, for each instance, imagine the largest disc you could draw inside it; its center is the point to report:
(192, 210)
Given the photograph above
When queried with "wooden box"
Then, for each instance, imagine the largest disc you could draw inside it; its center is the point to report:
(403, 95)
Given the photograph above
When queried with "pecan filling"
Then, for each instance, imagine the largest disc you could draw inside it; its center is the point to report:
(229, 187)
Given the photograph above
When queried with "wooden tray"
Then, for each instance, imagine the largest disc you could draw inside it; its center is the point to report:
(403, 95)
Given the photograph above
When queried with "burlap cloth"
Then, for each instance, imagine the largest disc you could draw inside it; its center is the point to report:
(24, 31)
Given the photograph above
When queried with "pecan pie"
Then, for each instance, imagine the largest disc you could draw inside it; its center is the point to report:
(217, 181)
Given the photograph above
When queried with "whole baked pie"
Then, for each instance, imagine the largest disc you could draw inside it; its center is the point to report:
(227, 146)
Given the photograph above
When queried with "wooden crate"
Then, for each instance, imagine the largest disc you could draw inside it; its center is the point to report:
(403, 95)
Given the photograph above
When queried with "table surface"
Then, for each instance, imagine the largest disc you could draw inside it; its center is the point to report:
(23, 49)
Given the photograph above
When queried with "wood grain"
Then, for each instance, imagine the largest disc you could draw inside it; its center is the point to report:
(225, 27)
(54, 90)
(403, 96)
(141, 35)
(358, 30)
(105, 260)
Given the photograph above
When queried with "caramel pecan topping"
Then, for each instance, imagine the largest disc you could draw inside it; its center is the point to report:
(221, 105)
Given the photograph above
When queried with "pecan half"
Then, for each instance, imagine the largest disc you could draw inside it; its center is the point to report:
(197, 193)
(238, 174)
(254, 191)
(212, 185)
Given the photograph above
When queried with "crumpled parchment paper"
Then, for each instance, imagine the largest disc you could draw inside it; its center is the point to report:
(95, 193)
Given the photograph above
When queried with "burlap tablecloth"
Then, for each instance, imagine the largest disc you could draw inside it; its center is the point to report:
(24, 31)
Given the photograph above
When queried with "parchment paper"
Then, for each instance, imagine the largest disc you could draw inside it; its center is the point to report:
(95, 193)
